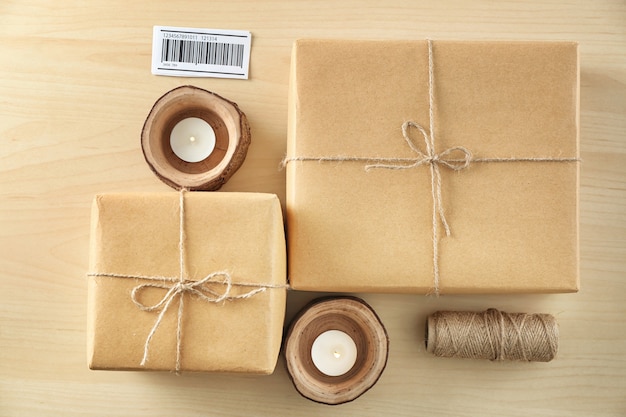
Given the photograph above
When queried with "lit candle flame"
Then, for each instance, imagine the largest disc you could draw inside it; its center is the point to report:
(337, 354)
(192, 139)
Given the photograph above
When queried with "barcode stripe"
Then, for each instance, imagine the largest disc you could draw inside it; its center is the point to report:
(208, 53)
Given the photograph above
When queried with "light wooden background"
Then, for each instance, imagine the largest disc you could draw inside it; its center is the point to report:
(75, 88)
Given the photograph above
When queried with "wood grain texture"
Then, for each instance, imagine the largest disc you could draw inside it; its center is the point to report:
(75, 88)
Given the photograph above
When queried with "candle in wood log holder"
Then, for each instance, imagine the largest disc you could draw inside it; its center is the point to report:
(195, 139)
(336, 349)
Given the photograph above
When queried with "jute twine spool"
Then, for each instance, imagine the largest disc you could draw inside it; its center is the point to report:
(493, 335)
(232, 138)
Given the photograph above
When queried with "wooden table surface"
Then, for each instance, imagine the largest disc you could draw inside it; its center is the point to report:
(75, 88)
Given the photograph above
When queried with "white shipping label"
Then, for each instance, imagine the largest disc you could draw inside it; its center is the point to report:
(191, 52)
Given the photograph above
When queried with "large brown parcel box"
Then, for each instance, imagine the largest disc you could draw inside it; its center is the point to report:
(497, 162)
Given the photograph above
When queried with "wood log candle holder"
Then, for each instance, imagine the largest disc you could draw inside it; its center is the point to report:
(353, 317)
(232, 138)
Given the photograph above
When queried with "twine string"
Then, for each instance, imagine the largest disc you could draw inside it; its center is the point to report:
(434, 161)
(176, 288)
(493, 335)
(181, 234)
(456, 158)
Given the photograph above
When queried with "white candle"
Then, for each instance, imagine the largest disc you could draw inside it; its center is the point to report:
(192, 139)
(333, 353)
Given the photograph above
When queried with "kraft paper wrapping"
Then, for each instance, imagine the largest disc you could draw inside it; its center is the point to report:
(138, 234)
(514, 225)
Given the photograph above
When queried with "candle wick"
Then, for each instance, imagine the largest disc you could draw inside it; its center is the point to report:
(337, 354)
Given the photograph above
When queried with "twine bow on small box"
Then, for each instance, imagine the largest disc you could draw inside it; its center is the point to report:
(433, 159)
(177, 287)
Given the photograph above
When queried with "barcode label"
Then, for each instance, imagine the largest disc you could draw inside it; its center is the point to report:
(190, 52)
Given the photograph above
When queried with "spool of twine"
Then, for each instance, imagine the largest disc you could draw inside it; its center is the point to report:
(493, 335)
